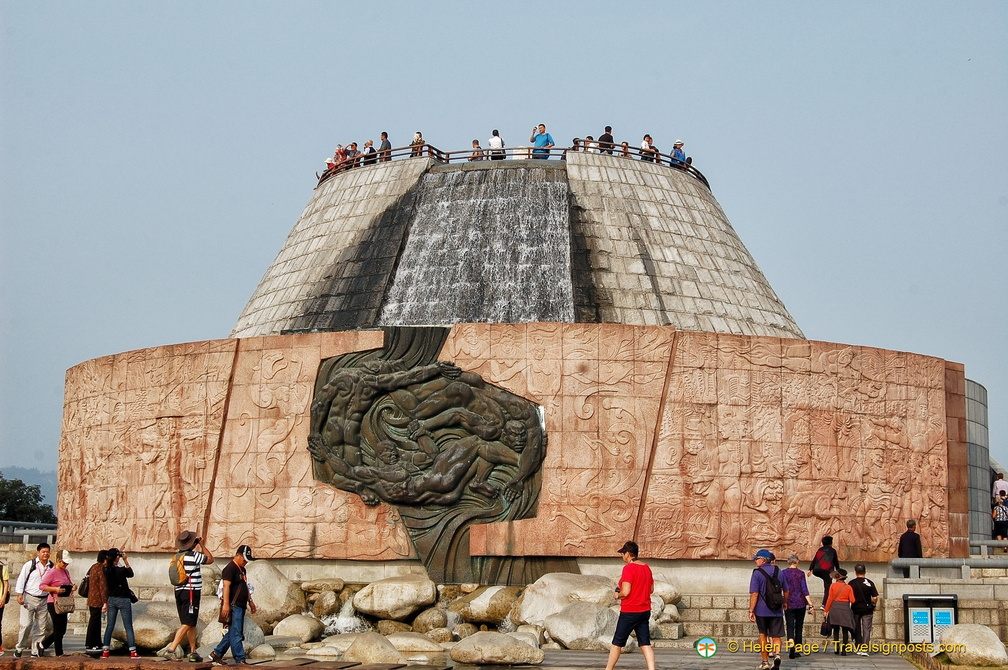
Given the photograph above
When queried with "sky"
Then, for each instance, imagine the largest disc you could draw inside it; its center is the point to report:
(154, 156)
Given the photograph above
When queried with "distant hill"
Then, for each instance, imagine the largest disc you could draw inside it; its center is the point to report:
(46, 481)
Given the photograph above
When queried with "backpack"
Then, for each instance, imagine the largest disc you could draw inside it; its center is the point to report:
(177, 574)
(85, 586)
(826, 559)
(773, 592)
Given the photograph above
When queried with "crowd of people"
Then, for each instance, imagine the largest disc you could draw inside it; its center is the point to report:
(542, 145)
(45, 592)
(999, 509)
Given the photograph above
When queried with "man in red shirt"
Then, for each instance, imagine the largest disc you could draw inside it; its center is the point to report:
(633, 590)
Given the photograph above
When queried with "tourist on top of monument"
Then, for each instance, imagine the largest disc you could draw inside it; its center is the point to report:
(236, 597)
(865, 600)
(120, 600)
(187, 594)
(633, 590)
(340, 154)
(385, 148)
(352, 154)
(496, 145)
(656, 152)
(769, 620)
(590, 146)
(999, 485)
(823, 564)
(839, 614)
(647, 150)
(798, 601)
(575, 146)
(678, 157)
(369, 155)
(96, 596)
(606, 141)
(57, 582)
(4, 596)
(909, 545)
(477, 151)
(542, 141)
(1000, 516)
(417, 144)
(34, 620)
(625, 149)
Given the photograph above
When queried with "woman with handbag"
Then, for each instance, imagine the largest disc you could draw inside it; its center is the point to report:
(60, 587)
(97, 594)
(839, 614)
(120, 600)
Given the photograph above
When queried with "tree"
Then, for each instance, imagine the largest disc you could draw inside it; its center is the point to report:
(21, 502)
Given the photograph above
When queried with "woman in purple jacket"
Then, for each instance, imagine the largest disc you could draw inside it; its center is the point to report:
(798, 601)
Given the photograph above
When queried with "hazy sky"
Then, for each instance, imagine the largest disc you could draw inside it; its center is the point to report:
(154, 156)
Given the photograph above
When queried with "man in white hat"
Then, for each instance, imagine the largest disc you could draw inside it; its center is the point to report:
(678, 155)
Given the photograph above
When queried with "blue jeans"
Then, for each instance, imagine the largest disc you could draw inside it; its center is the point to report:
(116, 606)
(233, 636)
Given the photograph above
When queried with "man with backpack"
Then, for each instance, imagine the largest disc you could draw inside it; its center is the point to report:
(766, 607)
(185, 575)
(35, 619)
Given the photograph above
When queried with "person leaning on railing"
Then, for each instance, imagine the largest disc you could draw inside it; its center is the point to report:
(477, 151)
(416, 146)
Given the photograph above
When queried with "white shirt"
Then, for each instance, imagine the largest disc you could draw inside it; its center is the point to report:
(496, 142)
(999, 486)
(31, 577)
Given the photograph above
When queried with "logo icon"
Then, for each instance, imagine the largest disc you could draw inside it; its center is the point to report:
(706, 647)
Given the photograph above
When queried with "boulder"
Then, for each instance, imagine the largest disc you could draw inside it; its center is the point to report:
(441, 635)
(165, 610)
(372, 648)
(489, 648)
(302, 626)
(395, 597)
(980, 645)
(262, 652)
(386, 627)
(325, 603)
(276, 597)
(669, 614)
(211, 632)
(526, 636)
(538, 632)
(488, 604)
(429, 619)
(414, 643)
(323, 585)
(585, 626)
(153, 633)
(667, 592)
(341, 642)
(554, 591)
(464, 630)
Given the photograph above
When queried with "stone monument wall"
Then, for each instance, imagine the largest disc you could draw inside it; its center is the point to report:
(700, 445)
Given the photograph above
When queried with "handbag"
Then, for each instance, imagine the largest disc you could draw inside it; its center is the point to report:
(825, 629)
(64, 604)
(133, 596)
(85, 586)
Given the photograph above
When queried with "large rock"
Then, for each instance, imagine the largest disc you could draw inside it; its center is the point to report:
(341, 642)
(585, 626)
(488, 604)
(386, 627)
(669, 614)
(263, 652)
(276, 597)
(554, 591)
(153, 633)
(306, 628)
(980, 645)
(325, 603)
(489, 648)
(211, 632)
(464, 630)
(526, 636)
(414, 643)
(395, 597)
(429, 619)
(667, 592)
(322, 585)
(372, 648)
(443, 635)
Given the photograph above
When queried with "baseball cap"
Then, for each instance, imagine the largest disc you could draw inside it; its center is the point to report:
(245, 552)
(66, 557)
(629, 547)
(764, 554)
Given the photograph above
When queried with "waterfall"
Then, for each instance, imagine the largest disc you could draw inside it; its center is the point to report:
(346, 621)
(484, 245)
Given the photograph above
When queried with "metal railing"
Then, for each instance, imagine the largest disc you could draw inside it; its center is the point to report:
(512, 153)
(20, 532)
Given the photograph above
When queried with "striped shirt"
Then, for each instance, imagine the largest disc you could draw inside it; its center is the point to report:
(191, 562)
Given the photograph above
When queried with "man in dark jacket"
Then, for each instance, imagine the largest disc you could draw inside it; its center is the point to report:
(909, 545)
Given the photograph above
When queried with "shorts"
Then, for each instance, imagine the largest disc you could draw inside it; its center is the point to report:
(636, 622)
(187, 618)
(1001, 528)
(771, 626)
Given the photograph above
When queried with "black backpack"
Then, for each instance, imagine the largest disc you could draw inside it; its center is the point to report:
(773, 592)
